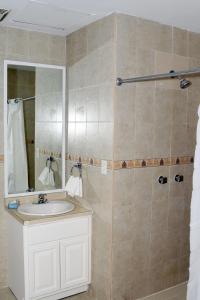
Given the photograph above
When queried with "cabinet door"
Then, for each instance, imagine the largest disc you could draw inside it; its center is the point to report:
(74, 260)
(44, 268)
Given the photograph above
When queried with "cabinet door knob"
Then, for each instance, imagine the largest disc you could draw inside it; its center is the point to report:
(162, 180)
(179, 178)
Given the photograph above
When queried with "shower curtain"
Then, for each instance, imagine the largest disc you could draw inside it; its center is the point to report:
(16, 147)
(193, 289)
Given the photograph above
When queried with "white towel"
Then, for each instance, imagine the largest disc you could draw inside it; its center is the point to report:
(196, 179)
(197, 157)
(195, 209)
(74, 186)
(193, 288)
(194, 239)
(47, 177)
(198, 129)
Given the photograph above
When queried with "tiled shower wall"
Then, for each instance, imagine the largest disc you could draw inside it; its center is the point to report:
(90, 63)
(146, 246)
(31, 47)
(150, 245)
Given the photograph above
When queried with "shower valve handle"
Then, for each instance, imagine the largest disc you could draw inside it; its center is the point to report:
(162, 180)
(179, 178)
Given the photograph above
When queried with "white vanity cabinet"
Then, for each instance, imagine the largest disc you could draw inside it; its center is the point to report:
(49, 260)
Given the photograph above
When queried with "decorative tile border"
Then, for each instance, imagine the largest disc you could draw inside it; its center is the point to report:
(126, 164)
(136, 163)
(50, 153)
(152, 162)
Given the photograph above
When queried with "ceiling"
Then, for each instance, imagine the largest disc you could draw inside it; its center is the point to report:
(62, 17)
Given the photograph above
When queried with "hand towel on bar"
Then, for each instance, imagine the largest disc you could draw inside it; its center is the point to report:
(193, 287)
(47, 177)
(74, 186)
(80, 187)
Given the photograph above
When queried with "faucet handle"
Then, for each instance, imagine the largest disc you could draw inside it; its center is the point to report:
(179, 178)
(42, 198)
(162, 180)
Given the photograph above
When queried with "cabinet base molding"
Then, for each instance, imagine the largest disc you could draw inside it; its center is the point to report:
(65, 294)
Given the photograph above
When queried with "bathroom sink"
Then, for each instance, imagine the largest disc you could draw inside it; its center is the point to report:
(47, 209)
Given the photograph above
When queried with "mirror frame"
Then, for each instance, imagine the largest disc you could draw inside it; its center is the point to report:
(20, 63)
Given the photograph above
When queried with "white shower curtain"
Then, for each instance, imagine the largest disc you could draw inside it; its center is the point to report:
(16, 147)
(193, 289)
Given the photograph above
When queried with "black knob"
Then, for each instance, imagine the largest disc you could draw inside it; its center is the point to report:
(179, 178)
(162, 180)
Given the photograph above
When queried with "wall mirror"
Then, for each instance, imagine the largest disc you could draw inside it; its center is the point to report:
(34, 128)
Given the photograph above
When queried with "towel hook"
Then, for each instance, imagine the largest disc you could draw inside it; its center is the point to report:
(79, 166)
(50, 159)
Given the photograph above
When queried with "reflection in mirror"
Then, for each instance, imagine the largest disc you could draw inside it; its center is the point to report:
(34, 129)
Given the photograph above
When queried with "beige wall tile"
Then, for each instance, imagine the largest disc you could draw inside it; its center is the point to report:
(105, 140)
(179, 137)
(165, 100)
(144, 120)
(105, 71)
(183, 269)
(123, 193)
(180, 41)
(152, 35)
(100, 33)
(145, 62)
(3, 36)
(194, 63)
(92, 135)
(124, 125)
(57, 49)
(105, 105)
(98, 195)
(194, 45)
(192, 107)
(123, 223)
(38, 46)
(126, 29)
(143, 139)
(76, 46)
(17, 42)
(171, 273)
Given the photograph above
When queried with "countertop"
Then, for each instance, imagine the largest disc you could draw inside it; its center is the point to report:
(30, 220)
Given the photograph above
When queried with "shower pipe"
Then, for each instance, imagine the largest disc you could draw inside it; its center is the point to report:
(16, 100)
(171, 74)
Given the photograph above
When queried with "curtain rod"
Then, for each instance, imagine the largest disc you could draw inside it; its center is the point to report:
(171, 74)
(16, 100)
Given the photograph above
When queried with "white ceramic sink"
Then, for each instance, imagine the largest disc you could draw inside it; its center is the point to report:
(46, 209)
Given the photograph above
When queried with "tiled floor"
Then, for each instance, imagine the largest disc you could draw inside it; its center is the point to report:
(176, 293)
(6, 294)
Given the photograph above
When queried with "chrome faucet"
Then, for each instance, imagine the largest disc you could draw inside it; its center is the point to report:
(42, 198)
